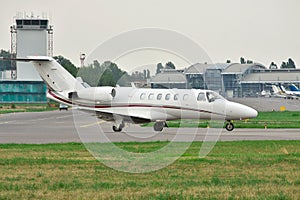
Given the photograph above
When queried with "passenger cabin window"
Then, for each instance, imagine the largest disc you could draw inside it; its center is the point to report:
(151, 96)
(201, 96)
(143, 96)
(176, 97)
(185, 97)
(159, 96)
(168, 96)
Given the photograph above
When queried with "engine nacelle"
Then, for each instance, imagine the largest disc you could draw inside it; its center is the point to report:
(101, 94)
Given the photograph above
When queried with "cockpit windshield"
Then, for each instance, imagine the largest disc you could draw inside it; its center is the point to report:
(212, 96)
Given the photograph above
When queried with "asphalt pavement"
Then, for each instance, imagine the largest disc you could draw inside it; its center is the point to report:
(78, 126)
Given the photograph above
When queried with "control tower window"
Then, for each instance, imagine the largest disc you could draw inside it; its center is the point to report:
(35, 22)
(19, 22)
(27, 22)
(44, 22)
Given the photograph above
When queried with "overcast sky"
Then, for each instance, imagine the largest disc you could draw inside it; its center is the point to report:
(260, 30)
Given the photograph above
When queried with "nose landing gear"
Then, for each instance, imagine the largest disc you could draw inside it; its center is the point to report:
(229, 126)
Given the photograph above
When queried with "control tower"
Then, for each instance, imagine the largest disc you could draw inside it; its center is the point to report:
(31, 36)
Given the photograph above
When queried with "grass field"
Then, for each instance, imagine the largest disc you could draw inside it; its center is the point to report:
(246, 170)
(276, 119)
(38, 107)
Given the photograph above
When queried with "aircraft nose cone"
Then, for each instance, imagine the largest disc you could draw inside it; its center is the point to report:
(250, 112)
(239, 111)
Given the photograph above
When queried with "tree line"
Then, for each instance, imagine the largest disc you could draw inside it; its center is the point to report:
(109, 74)
(284, 65)
(105, 74)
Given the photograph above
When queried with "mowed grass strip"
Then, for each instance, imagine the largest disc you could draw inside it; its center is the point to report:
(21, 107)
(247, 169)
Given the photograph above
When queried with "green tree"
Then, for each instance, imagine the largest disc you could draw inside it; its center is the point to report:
(5, 64)
(283, 65)
(159, 67)
(106, 74)
(170, 65)
(148, 73)
(242, 60)
(67, 64)
(228, 61)
(291, 63)
(273, 65)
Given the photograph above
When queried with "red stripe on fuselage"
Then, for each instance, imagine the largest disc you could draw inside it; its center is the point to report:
(128, 105)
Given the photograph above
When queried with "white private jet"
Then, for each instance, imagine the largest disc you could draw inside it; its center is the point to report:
(136, 105)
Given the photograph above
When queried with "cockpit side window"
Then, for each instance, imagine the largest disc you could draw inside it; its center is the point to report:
(212, 96)
(201, 97)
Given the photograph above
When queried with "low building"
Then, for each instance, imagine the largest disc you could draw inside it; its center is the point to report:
(228, 79)
(169, 79)
(12, 91)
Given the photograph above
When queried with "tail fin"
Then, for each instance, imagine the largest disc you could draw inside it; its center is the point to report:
(275, 89)
(282, 88)
(54, 75)
(294, 88)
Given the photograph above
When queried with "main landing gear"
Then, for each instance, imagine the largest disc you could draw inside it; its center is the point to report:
(229, 126)
(118, 127)
(159, 126)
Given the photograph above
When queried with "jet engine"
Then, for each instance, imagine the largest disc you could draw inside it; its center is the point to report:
(101, 94)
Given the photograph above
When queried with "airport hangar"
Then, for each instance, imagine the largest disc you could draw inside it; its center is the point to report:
(228, 79)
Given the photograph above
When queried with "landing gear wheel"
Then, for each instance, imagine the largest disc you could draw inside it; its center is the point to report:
(159, 126)
(229, 126)
(116, 129)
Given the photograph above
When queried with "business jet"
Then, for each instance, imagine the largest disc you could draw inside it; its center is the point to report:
(136, 105)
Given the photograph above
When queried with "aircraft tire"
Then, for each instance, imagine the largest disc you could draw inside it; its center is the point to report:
(229, 126)
(158, 126)
(116, 129)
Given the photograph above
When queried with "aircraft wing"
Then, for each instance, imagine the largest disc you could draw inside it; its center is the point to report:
(137, 114)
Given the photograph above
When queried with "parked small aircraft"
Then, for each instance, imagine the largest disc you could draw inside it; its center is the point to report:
(136, 105)
(294, 89)
(281, 92)
(277, 92)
